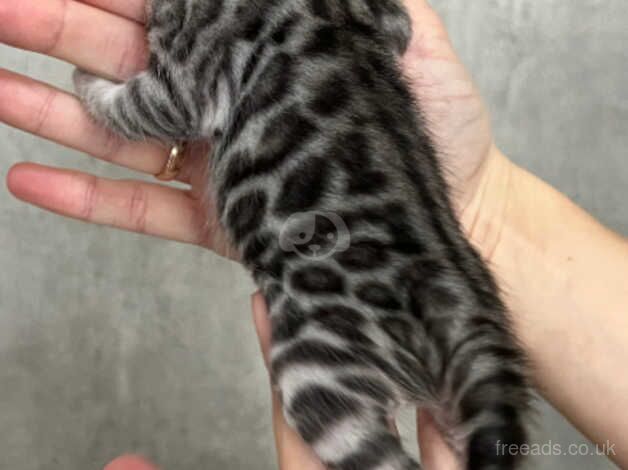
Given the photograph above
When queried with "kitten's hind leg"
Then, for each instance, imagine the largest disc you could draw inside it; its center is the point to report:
(390, 18)
(345, 433)
(137, 109)
(395, 24)
(340, 401)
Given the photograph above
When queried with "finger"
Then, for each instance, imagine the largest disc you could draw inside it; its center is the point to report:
(47, 112)
(131, 9)
(429, 38)
(130, 462)
(435, 453)
(262, 325)
(292, 452)
(50, 113)
(93, 39)
(135, 206)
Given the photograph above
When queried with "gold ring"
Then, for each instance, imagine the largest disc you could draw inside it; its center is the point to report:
(173, 165)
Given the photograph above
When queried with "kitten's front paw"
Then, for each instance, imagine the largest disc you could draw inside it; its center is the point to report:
(83, 81)
(94, 90)
(98, 95)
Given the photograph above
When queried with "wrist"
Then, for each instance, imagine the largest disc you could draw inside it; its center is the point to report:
(486, 213)
(562, 275)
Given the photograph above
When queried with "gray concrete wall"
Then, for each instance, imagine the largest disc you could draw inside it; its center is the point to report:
(111, 342)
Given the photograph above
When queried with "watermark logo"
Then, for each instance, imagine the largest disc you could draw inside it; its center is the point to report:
(555, 449)
(314, 235)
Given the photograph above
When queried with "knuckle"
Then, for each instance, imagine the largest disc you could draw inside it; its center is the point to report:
(131, 56)
(57, 29)
(110, 147)
(6, 13)
(89, 199)
(43, 113)
(138, 208)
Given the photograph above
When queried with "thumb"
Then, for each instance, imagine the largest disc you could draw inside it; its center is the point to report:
(130, 462)
(262, 324)
(430, 38)
(435, 453)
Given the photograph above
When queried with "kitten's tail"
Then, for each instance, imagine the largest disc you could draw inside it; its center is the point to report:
(492, 404)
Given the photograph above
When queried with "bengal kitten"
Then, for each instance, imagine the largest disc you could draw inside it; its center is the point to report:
(327, 183)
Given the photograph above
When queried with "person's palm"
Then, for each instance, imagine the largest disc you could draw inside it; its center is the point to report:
(114, 46)
(452, 106)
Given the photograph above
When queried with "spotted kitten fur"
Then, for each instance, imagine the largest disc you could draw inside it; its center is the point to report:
(314, 133)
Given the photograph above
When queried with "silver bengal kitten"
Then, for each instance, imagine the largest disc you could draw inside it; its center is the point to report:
(326, 181)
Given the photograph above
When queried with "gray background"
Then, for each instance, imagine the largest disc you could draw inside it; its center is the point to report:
(111, 342)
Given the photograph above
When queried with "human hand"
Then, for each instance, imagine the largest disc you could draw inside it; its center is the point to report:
(130, 462)
(114, 47)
